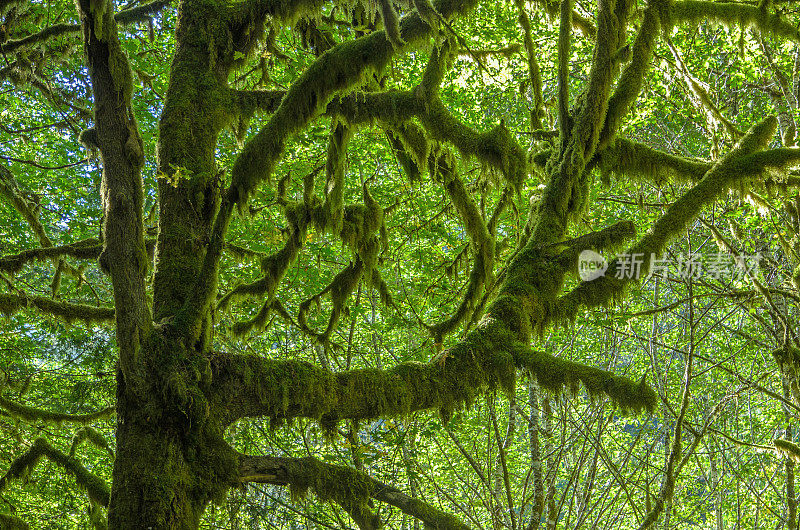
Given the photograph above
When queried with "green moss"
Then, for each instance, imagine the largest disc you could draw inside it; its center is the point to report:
(787, 449)
(626, 158)
(9, 522)
(732, 15)
(93, 436)
(347, 487)
(68, 312)
(22, 466)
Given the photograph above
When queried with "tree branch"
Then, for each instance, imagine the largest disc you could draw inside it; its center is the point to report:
(117, 137)
(340, 68)
(32, 414)
(342, 484)
(128, 16)
(22, 466)
(742, 162)
(731, 13)
(85, 249)
(11, 303)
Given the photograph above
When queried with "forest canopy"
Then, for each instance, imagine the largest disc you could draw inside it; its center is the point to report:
(399, 264)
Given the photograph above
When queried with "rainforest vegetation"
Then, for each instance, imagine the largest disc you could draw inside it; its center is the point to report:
(399, 264)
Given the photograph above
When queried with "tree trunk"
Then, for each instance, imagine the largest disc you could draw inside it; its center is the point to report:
(171, 458)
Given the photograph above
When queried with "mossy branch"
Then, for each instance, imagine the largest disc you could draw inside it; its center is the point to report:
(327, 482)
(85, 249)
(335, 168)
(554, 374)
(629, 158)
(337, 70)
(92, 435)
(487, 358)
(50, 32)
(23, 465)
(12, 303)
(32, 414)
(579, 22)
(124, 254)
(9, 522)
(496, 148)
(482, 242)
(731, 14)
(534, 74)
(741, 163)
(27, 208)
(340, 289)
(701, 96)
(787, 449)
(391, 23)
(606, 239)
(564, 42)
(274, 267)
(630, 82)
(127, 16)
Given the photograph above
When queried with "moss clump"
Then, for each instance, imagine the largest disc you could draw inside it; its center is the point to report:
(9, 522)
(348, 487)
(731, 14)
(633, 159)
(93, 436)
(10, 304)
(788, 449)
(22, 466)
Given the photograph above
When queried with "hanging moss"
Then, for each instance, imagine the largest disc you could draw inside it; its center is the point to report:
(97, 516)
(335, 168)
(9, 522)
(32, 414)
(787, 449)
(23, 465)
(10, 303)
(415, 146)
(633, 159)
(744, 161)
(731, 14)
(93, 436)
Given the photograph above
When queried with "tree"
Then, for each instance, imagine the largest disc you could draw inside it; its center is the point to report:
(177, 392)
